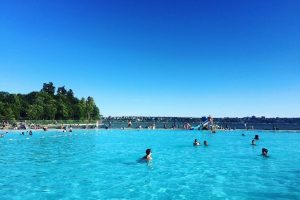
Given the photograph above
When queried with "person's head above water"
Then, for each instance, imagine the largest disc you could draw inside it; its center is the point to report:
(148, 152)
(205, 143)
(148, 155)
(196, 143)
(264, 152)
(253, 142)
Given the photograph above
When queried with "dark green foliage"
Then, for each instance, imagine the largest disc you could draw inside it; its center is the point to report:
(46, 105)
(48, 88)
(61, 90)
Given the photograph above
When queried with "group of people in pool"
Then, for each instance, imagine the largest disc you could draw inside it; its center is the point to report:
(264, 151)
(29, 133)
(197, 143)
(148, 157)
(22, 133)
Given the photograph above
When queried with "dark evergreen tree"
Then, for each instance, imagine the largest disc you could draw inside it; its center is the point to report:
(49, 88)
(45, 105)
(61, 91)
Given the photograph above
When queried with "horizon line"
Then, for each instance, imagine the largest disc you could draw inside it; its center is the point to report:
(196, 117)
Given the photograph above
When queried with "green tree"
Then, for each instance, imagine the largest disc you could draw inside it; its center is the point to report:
(61, 91)
(80, 110)
(35, 112)
(96, 113)
(62, 110)
(14, 103)
(2, 111)
(46, 105)
(9, 114)
(89, 107)
(49, 88)
(24, 107)
(49, 107)
(92, 110)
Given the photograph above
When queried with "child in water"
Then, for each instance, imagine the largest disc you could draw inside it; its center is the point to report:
(264, 152)
(196, 143)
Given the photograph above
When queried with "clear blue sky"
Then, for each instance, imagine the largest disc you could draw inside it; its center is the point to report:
(158, 58)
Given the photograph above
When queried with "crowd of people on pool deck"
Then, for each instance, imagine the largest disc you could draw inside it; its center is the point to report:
(264, 151)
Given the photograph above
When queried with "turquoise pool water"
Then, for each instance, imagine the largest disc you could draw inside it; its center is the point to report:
(102, 164)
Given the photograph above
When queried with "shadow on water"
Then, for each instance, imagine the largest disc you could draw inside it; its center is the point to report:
(138, 162)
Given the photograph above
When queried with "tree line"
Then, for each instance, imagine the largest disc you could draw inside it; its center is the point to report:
(47, 105)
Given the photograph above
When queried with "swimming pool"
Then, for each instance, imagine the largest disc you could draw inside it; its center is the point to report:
(102, 164)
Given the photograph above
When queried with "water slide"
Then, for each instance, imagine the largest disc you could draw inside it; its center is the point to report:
(205, 123)
(200, 126)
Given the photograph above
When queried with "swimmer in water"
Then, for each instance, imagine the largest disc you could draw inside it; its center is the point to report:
(196, 143)
(205, 143)
(253, 142)
(148, 155)
(264, 152)
(30, 132)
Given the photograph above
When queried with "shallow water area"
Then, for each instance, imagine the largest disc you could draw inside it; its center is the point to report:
(103, 164)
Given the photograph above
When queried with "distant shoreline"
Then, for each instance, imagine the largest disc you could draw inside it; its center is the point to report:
(256, 123)
(145, 129)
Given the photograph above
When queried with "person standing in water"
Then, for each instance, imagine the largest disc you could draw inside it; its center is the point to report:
(264, 152)
(205, 143)
(196, 143)
(148, 155)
